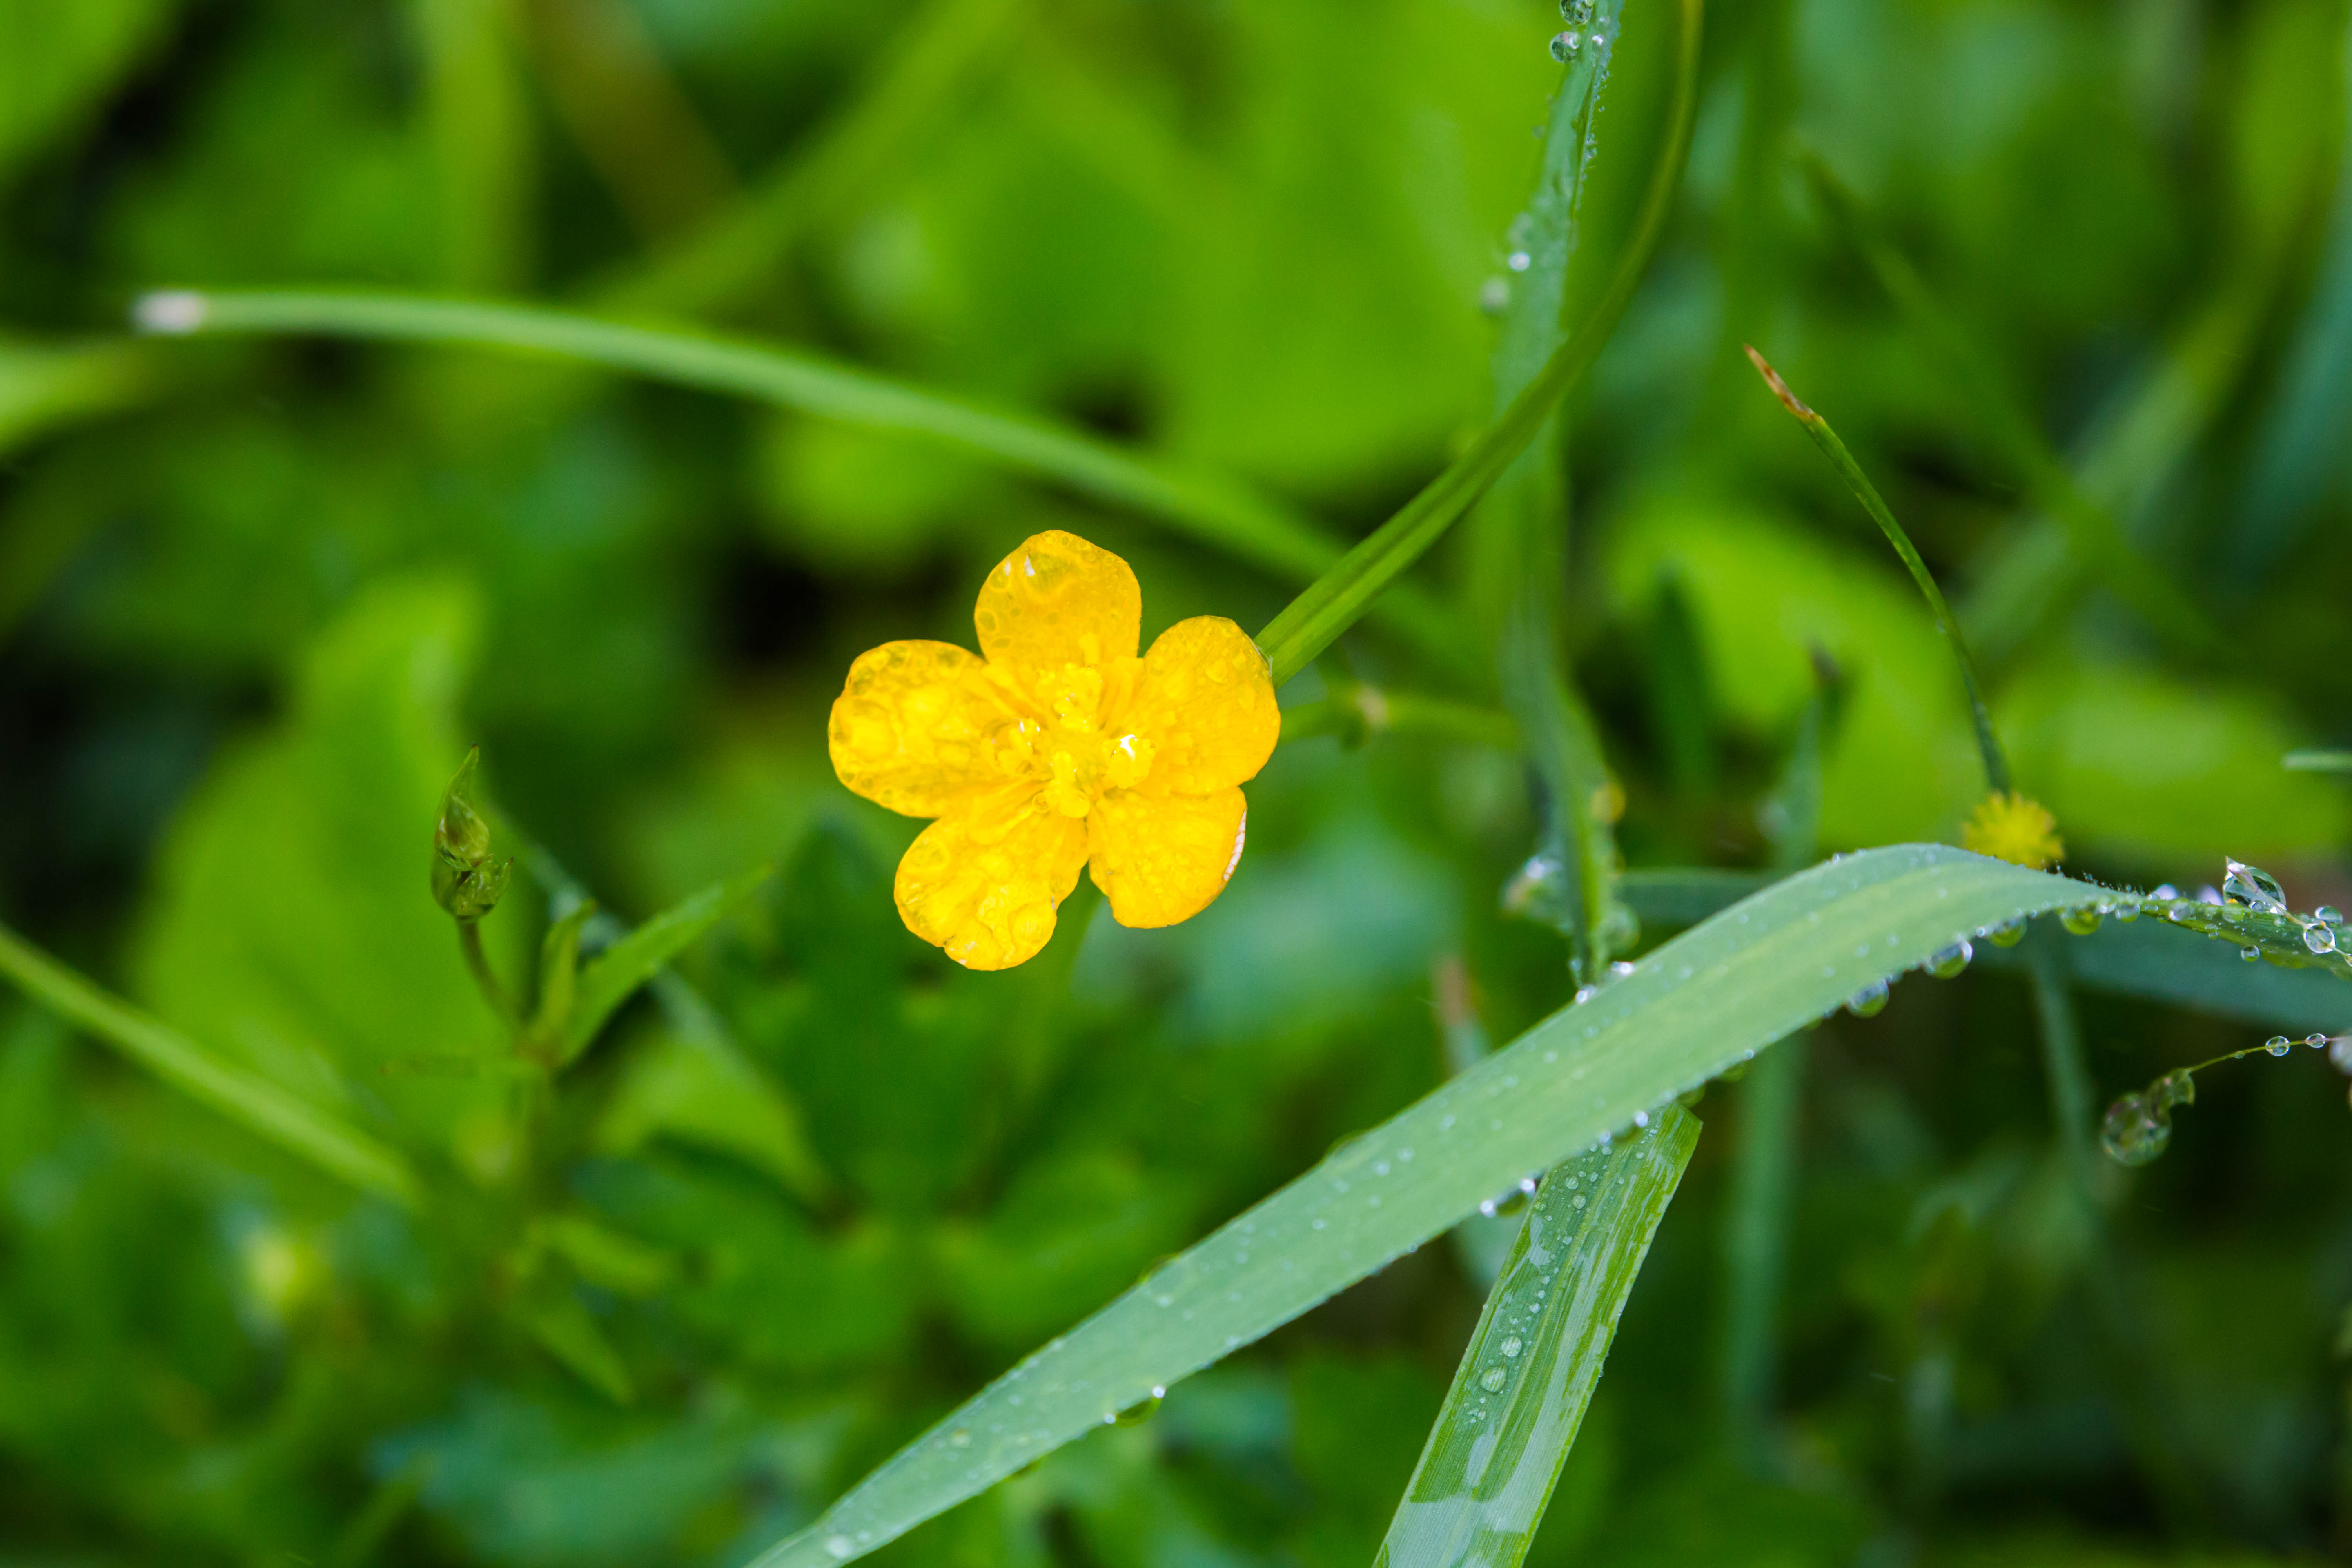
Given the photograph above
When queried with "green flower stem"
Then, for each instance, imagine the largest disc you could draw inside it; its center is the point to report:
(1208, 508)
(1360, 713)
(292, 1124)
(1338, 599)
(1996, 766)
(477, 964)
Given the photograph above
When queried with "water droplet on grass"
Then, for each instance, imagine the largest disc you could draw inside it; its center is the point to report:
(2008, 933)
(2319, 936)
(1493, 1382)
(2082, 919)
(1512, 1347)
(2277, 1046)
(2254, 887)
(2250, 953)
(1869, 1002)
(1564, 46)
(1946, 962)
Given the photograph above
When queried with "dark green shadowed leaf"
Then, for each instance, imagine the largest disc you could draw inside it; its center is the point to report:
(1699, 1005)
(1520, 1393)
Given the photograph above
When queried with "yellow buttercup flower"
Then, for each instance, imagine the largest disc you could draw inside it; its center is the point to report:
(1057, 748)
(2007, 826)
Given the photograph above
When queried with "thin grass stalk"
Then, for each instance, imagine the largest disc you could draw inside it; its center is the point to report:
(1996, 767)
(1206, 508)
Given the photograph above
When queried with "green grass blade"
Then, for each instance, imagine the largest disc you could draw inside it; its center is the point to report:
(614, 976)
(1996, 766)
(44, 387)
(1520, 1392)
(1336, 600)
(1214, 511)
(1694, 1007)
(2148, 960)
(292, 1124)
(2317, 761)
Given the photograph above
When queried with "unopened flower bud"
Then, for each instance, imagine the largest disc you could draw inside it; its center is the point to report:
(467, 879)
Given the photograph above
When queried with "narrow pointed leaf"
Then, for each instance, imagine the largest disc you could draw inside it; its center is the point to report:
(286, 1120)
(1698, 1004)
(614, 976)
(1520, 1392)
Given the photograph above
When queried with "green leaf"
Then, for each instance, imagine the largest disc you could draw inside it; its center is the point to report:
(693, 1085)
(566, 1329)
(614, 975)
(1214, 511)
(1520, 1392)
(286, 1120)
(1697, 1005)
(558, 972)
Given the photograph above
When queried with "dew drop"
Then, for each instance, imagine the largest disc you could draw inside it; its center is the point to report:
(2277, 1046)
(1869, 1002)
(2127, 908)
(2165, 893)
(2250, 953)
(2317, 1042)
(2254, 887)
(1512, 1347)
(1564, 46)
(1494, 296)
(1519, 262)
(1493, 1382)
(2008, 933)
(2082, 919)
(959, 1438)
(1945, 962)
(2319, 936)
(2328, 914)
(840, 1546)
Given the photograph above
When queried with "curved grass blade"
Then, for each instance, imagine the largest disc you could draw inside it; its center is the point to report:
(1338, 599)
(1996, 766)
(612, 976)
(287, 1121)
(1213, 511)
(1520, 1392)
(1698, 1004)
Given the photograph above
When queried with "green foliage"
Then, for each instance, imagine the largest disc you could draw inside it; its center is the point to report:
(592, 380)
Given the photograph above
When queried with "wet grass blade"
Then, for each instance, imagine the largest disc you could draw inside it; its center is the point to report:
(1520, 1392)
(2146, 959)
(287, 1121)
(1338, 599)
(1694, 1007)
(1214, 511)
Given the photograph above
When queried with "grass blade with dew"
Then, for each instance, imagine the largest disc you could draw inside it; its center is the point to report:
(1209, 509)
(2146, 960)
(614, 976)
(292, 1124)
(1336, 600)
(1697, 1005)
(1496, 1451)
(1996, 766)
(2097, 537)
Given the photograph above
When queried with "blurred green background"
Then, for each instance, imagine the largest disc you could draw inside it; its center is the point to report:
(256, 598)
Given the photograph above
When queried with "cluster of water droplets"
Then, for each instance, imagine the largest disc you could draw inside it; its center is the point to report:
(1570, 41)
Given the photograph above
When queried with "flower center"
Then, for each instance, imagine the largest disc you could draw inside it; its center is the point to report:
(1083, 747)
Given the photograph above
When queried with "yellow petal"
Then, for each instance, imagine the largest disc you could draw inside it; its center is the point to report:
(983, 883)
(916, 726)
(1163, 858)
(1205, 704)
(1059, 600)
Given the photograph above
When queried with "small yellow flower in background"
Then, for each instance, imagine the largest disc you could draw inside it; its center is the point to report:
(1058, 748)
(2007, 826)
